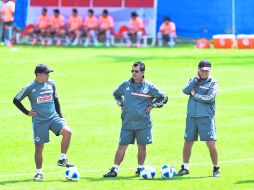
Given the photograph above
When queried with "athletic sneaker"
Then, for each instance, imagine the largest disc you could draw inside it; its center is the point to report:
(111, 173)
(64, 163)
(38, 177)
(182, 171)
(216, 172)
(137, 173)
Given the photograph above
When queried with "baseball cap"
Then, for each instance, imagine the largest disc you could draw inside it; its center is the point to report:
(42, 68)
(205, 65)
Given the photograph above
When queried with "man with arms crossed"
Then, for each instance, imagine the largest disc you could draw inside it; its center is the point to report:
(136, 97)
(46, 115)
(202, 91)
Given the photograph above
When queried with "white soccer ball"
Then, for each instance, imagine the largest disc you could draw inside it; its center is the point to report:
(168, 171)
(72, 174)
(148, 172)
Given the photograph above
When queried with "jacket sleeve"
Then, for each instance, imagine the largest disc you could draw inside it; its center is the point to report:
(159, 97)
(210, 96)
(192, 84)
(19, 97)
(118, 94)
(56, 100)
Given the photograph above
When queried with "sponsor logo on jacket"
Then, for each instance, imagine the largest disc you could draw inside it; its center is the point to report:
(42, 99)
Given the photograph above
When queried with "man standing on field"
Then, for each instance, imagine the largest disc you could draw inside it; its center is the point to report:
(136, 97)
(202, 91)
(46, 115)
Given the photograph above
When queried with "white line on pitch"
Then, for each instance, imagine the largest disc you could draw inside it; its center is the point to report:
(102, 170)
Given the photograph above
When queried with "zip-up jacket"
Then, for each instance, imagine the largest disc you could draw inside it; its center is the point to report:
(134, 98)
(202, 104)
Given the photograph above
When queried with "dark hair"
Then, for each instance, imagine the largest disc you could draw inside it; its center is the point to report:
(56, 11)
(134, 14)
(140, 64)
(75, 10)
(167, 18)
(44, 9)
(105, 12)
(90, 11)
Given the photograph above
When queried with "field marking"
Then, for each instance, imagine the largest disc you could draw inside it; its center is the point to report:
(103, 170)
(237, 88)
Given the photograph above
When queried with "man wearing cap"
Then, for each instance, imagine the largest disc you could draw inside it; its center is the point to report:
(202, 91)
(46, 115)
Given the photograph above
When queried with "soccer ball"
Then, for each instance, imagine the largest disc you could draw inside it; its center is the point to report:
(72, 174)
(168, 171)
(148, 172)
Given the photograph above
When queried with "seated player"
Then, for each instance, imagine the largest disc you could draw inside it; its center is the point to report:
(167, 32)
(74, 28)
(135, 30)
(91, 26)
(57, 29)
(106, 24)
(42, 28)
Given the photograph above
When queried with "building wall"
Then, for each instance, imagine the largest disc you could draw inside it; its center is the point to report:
(203, 18)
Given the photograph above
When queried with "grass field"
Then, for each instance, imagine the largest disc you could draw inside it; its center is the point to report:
(85, 81)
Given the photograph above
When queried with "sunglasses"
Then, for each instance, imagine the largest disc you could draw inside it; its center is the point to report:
(204, 71)
(135, 71)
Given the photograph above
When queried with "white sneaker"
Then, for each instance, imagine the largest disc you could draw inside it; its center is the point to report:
(38, 177)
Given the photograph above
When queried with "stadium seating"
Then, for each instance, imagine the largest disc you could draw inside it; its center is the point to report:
(24, 36)
(119, 37)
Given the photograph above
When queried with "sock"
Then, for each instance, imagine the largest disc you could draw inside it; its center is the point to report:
(140, 166)
(185, 166)
(39, 171)
(216, 166)
(63, 156)
(116, 167)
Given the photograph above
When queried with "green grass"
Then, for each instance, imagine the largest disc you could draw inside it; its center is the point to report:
(85, 79)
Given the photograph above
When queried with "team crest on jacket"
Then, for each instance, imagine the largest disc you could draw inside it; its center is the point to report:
(145, 90)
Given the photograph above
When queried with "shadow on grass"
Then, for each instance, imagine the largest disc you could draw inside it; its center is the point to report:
(102, 179)
(194, 177)
(28, 180)
(244, 181)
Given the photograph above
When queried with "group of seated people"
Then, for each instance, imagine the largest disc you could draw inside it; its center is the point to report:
(55, 28)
